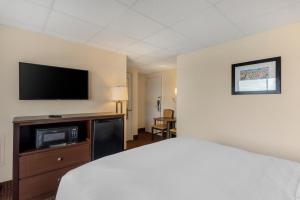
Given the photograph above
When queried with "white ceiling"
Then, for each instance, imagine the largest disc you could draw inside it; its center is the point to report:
(150, 32)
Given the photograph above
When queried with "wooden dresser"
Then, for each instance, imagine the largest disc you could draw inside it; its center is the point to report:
(37, 172)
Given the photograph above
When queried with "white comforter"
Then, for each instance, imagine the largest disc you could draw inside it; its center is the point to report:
(183, 169)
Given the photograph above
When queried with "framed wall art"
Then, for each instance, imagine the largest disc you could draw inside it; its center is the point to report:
(257, 77)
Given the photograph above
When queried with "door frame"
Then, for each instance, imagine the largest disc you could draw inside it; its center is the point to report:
(129, 120)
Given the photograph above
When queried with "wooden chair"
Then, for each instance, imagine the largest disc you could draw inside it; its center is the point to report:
(173, 132)
(161, 126)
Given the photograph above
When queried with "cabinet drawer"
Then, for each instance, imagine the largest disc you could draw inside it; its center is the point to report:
(42, 162)
(40, 186)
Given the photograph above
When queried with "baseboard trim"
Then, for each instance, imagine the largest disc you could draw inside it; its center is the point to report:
(135, 137)
(141, 130)
(6, 190)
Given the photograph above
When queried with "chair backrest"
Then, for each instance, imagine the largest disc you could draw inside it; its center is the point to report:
(168, 113)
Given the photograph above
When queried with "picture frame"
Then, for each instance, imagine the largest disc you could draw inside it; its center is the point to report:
(257, 77)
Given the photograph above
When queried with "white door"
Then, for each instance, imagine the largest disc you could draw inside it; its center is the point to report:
(129, 135)
(153, 99)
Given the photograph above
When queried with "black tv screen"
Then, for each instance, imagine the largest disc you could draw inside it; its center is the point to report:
(40, 82)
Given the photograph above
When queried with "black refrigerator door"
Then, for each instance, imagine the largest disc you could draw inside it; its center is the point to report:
(108, 137)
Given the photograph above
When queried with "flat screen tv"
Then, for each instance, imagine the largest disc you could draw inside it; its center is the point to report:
(40, 82)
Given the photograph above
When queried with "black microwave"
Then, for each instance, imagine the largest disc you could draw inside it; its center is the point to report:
(59, 136)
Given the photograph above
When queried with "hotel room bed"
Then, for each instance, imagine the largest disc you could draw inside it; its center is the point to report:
(183, 169)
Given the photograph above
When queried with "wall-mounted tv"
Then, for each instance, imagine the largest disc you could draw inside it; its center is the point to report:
(41, 82)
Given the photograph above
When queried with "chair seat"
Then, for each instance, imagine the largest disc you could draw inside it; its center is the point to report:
(160, 126)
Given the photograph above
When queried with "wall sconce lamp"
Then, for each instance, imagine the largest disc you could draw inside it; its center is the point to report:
(119, 94)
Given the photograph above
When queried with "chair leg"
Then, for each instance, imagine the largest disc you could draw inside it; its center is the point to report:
(164, 134)
(152, 134)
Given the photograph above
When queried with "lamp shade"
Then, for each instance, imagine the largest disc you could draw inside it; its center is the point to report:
(119, 93)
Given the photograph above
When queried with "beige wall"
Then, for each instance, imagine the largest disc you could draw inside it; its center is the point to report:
(106, 70)
(268, 124)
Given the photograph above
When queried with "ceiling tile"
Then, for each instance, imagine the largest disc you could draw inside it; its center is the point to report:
(141, 48)
(290, 14)
(190, 45)
(18, 24)
(112, 39)
(145, 60)
(135, 25)
(132, 55)
(46, 3)
(99, 12)
(70, 28)
(210, 28)
(160, 65)
(169, 12)
(127, 2)
(104, 47)
(162, 53)
(215, 1)
(149, 31)
(166, 39)
(23, 12)
(238, 10)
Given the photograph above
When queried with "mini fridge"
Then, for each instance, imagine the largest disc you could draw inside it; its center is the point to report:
(108, 137)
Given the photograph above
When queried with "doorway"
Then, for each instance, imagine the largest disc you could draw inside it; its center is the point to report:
(153, 99)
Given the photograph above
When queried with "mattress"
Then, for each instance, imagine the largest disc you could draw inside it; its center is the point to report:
(183, 169)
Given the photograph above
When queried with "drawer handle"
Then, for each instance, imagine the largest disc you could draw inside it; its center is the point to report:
(59, 159)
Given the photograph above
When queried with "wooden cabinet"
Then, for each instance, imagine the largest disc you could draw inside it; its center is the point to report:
(36, 163)
(42, 186)
(37, 172)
